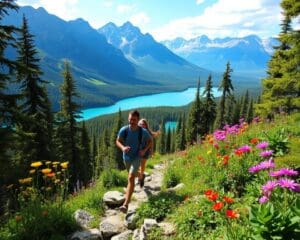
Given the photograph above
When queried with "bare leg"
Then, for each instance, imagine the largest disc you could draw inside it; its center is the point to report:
(142, 168)
(130, 188)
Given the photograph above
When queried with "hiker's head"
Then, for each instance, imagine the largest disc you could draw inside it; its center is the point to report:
(133, 118)
(143, 123)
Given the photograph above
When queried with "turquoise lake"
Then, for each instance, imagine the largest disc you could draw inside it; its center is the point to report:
(171, 99)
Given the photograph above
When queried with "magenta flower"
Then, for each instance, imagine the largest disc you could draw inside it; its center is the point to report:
(267, 164)
(220, 135)
(262, 145)
(245, 148)
(269, 186)
(254, 169)
(288, 183)
(267, 153)
(284, 172)
(263, 199)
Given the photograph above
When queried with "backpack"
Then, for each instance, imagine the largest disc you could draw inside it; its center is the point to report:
(139, 137)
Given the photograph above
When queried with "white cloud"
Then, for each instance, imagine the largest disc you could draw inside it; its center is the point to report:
(139, 19)
(198, 2)
(107, 3)
(123, 8)
(225, 18)
(65, 9)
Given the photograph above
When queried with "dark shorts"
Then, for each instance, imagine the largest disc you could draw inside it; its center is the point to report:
(132, 165)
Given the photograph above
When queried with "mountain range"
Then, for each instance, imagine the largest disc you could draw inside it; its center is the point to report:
(114, 62)
(247, 55)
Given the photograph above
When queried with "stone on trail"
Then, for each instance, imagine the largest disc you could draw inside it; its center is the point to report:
(113, 198)
(123, 236)
(90, 234)
(111, 226)
(83, 218)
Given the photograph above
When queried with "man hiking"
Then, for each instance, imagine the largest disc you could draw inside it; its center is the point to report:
(130, 140)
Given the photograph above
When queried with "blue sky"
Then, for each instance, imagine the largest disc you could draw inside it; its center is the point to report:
(168, 19)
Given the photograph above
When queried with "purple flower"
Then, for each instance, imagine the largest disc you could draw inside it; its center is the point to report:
(284, 172)
(269, 186)
(267, 164)
(245, 148)
(220, 135)
(254, 169)
(263, 199)
(262, 145)
(288, 183)
(267, 153)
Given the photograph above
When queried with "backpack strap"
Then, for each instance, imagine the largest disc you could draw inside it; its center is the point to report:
(139, 137)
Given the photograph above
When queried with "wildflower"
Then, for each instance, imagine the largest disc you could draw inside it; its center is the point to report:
(220, 135)
(48, 189)
(218, 206)
(269, 186)
(208, 192)
(200, 158)
(267, 153)
(225, 159)
(209, 152)
(48, 162)
(238, 152)
(288, 183)
(55, 163)
(46, 170)
(262, 145)
(284, 172)
(228, 199)
(213, 196)
(216, 146)
(25, 180)
(36, 164)
(232, 214)
(50, 175)
(64, 165)
(32, 171)
(56, 181)
(267, 164)
(254, 140)
(245, 148)
(254, 169)
(263, 199)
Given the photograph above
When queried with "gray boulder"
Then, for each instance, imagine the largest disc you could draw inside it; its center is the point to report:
(113, 198)
(123, 236)
(83, 218)
(90, 234)
(111, 226)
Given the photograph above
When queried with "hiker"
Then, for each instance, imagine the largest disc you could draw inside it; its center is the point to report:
(144, 124)
(134, 142)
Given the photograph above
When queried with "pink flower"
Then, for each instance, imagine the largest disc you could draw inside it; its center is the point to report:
(267, 153)
(254, 169)
(220, 135)
(269, 186)
(284, 172)
(288, 183)
(267, 164)
(263, 199)
(245, 148)
(262, 145)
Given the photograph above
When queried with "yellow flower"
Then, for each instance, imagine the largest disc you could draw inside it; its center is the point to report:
(48, 162)
(64, 164)
(32, 171)
(57, 181)
(55, 163)
(36, 164)
(209, 152)
(46, 170)
(25, 180)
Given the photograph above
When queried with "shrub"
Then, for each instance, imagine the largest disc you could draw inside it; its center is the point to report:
(113, 178)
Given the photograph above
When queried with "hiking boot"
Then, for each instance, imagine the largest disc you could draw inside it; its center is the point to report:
(123, 209)
(142, 181)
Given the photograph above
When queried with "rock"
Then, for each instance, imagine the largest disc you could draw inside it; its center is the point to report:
(178, 186)
(130, 220)
(168, 228)
(123, 236)
(114, 198)
(111, 226)
(83, 218)
(149, 223)
(111, 212)
(136, 234)
(148, 179)
(91, 234)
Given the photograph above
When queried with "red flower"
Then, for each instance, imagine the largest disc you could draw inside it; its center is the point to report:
(218, 206)
(200, 158)
(238, 152)
(254, 140)
(213, 196)
(228, 199)
(208, 192)
(232, 214)
(225, 159)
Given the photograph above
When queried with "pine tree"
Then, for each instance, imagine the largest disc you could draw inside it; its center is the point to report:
(115, 154)
(162, 139)
(8, 107)
(67, 131)
(236, 111)
(281, 88)
(178, 134)
(35, 106)
(194, 119)
(245, 104)
(86, 164)
(209, 107)
(94, 157)
(250, 111)
(103, 158)
(226, 87)
(168, 141)
(229, 109)
(183, 141)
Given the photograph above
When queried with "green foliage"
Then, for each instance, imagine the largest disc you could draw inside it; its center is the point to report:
(171, 177)
(158, 206)
(269, 222)
(113, 178)
(279, 142)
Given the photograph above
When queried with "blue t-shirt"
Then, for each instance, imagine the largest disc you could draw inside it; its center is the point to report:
(132, 140)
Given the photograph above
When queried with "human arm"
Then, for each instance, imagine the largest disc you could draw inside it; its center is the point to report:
(120, 145)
